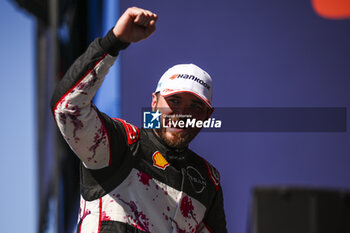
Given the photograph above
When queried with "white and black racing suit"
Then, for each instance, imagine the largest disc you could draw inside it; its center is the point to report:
(130, 180)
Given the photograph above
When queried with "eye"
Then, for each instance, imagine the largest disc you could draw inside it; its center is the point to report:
(197, 107)
(174, 101)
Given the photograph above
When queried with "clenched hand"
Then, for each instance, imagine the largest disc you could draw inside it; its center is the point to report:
(135, 24)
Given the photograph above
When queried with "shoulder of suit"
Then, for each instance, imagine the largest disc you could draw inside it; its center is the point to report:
(132, 132)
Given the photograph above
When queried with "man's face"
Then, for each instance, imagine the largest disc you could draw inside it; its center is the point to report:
(179, 107)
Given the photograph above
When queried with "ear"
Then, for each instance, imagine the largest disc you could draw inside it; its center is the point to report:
(154, 101)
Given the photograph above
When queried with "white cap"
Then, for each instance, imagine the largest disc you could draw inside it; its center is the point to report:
(187, 78)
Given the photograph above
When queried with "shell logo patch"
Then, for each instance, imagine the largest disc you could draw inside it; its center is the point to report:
(159, 161)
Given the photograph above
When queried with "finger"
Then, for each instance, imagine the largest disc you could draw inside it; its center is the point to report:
(149, 30)
(150, 14)
(146, 22)
(138, 18)
(152, 23)
(135, 11)
(144, 17)
(143, 20)
(150, 20)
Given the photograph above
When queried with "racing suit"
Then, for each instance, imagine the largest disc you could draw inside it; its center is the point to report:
(130, 180)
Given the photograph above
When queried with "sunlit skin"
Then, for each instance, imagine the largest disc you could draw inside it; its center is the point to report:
(179, 104)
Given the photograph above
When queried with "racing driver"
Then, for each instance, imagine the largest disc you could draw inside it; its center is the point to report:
(139, 180)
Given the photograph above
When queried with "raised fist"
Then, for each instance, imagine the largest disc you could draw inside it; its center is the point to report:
(135, 24)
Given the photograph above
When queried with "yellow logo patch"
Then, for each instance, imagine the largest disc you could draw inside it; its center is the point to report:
(159, 161)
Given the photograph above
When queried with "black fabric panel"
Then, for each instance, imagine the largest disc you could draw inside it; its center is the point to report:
(215, 215)
(111, 44)
(117, 227)
(79, 68)
(97, 183)
(114, 227)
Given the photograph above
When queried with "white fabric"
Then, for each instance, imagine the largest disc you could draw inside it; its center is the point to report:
(162, 207)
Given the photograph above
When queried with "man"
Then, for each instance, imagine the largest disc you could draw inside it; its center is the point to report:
(138, 180)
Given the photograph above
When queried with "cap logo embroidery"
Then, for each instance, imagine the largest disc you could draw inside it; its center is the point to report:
(159, 161)
(173, 77)
(191, 77)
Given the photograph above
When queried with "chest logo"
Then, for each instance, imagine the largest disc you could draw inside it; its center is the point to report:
(197, 181)
(159, 161)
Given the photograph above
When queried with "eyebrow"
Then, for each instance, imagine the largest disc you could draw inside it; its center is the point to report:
(193, 101)
(198, 102)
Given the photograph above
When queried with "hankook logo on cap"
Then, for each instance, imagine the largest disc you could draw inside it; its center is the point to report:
(173, 77)
(191, 77)
(196, 179)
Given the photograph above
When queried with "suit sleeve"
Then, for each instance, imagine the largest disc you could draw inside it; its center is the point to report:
(83, 127)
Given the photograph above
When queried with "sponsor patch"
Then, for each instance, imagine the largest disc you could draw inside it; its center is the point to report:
(196, 179)
(132, 132)
(159, 161)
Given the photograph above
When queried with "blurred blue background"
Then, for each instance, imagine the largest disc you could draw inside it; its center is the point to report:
(18, 123)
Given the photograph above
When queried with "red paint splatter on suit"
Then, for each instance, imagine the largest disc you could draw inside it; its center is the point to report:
(62, 118)
(90, 83)
(100, 137)
(86, 213)
(141, 220)
(78, 124)
(178, 229)
(186, 206)
(104, 216)
(144, 178)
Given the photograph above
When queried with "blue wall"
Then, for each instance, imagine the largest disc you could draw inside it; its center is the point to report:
(18, 174)
(260, 54)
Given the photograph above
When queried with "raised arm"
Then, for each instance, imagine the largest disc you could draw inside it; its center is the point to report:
(81, 124)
